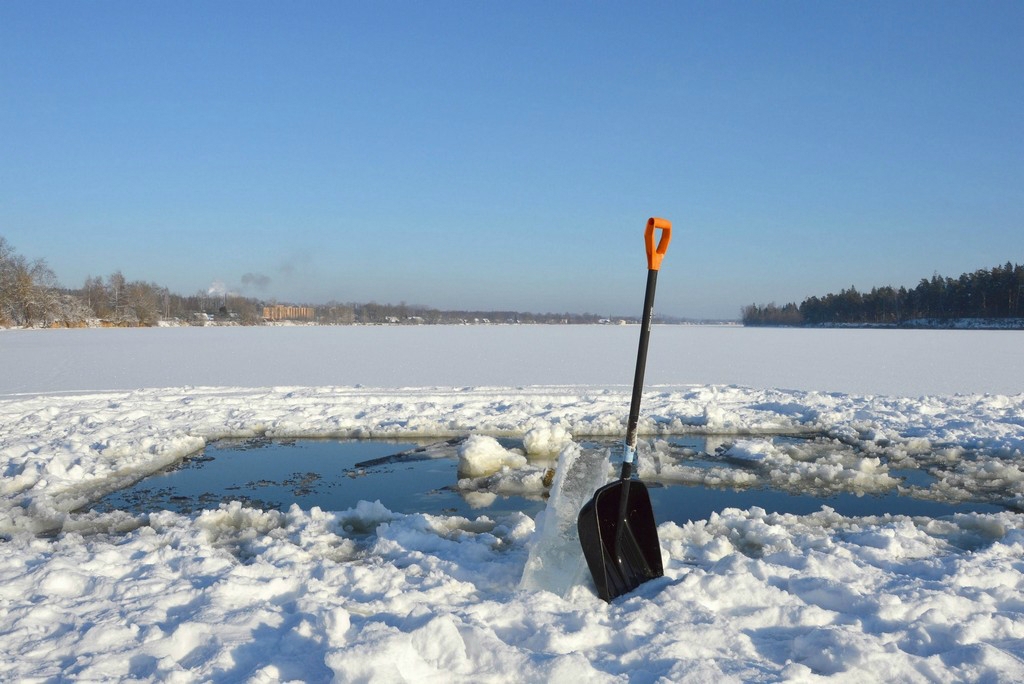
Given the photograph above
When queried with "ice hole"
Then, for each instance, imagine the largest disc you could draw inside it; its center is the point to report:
(406, 476)
(689, 478)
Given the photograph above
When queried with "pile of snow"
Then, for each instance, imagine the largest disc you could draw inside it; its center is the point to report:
(241, 594)
(820, 466)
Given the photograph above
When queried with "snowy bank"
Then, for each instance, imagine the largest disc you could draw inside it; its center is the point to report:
(242, 595)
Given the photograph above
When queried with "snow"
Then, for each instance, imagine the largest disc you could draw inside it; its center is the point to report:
(888, 362)
(366, 594)
(482, 455)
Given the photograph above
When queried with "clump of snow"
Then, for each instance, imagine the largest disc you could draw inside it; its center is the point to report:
(821, 465)
(481, 455)
(721, 476)
(530, 482)
(717, 418)
(546, 441)
(755, 451)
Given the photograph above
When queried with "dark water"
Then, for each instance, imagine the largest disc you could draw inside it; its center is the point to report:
(333, 475)
(409, 477)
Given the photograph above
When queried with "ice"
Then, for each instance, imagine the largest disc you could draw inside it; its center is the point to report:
(909, 363)
(556, 562)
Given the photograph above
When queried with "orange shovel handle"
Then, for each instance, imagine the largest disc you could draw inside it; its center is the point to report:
(655, 254)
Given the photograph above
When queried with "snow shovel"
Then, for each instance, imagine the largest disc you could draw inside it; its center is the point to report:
(617, 527)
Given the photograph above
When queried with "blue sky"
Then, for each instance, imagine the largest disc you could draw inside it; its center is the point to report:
(507, 155)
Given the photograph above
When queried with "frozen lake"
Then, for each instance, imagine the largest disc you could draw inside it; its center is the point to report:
(229, 592)
(868, 362)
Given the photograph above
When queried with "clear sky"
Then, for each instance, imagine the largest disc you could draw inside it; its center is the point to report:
(507, 155)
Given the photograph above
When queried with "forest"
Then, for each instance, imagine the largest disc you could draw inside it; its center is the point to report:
(991, 294)
(31, 297)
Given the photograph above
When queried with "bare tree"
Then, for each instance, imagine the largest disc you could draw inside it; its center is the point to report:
(72, 310)
(141, 303)
(115, 297)
(28, 294)
(94, 295)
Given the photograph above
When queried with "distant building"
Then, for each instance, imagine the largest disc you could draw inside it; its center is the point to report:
(280, 312)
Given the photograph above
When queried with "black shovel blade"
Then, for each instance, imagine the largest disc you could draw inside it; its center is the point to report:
(622, 553)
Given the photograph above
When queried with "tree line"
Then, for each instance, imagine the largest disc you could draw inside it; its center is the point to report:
(993, 293)
(30, 296)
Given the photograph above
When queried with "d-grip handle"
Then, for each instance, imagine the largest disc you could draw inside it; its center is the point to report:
(655, 254)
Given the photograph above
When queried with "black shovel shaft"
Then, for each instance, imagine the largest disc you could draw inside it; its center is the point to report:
(641, 366)
(616, 527)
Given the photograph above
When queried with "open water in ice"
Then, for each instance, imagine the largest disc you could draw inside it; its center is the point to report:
(405, 476)
(414, 477)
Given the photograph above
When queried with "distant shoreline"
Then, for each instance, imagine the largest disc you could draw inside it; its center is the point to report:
(920, 324)
(106, 325)
(916, 324)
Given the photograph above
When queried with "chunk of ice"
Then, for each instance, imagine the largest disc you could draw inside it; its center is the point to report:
(556, 561)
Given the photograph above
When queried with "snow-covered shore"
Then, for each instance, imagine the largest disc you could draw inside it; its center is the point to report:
(239, 594)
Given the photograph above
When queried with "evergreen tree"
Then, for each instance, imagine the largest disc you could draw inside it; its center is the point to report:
(993, 293)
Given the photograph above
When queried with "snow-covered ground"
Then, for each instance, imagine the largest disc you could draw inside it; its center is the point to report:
(891, 362)
(238, 594)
